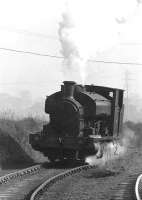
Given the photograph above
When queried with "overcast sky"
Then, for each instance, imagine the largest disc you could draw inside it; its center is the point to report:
(32, 26)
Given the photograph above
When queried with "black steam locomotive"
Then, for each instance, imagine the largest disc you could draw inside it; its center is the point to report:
(82, 119)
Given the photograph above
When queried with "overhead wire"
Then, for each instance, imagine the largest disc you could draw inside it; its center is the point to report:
(61, 57)
(23, 31)
(30, 52)
(115, 62)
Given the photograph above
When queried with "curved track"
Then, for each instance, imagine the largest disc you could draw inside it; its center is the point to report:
(125, 190)
(42, 188)
(138, 187)
(22, 184)
(19, 174)
(19, 184)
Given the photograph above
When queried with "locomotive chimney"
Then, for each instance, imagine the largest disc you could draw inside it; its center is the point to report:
(68, 89)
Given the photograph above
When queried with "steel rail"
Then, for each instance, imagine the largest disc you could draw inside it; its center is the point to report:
(49, 182)
(123, 191)
(129, 189)
(18, 174)
(138, 187)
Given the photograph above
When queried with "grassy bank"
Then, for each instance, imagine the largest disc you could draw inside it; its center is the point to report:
(14, 141)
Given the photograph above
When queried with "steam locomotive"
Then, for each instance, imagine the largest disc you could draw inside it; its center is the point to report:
(82, 119)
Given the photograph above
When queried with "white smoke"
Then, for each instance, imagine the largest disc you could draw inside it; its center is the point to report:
(114, 151)
(75, 57)
(88, 27)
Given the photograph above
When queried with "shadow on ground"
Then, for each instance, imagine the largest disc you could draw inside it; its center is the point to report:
(100, 173)
(66, 164)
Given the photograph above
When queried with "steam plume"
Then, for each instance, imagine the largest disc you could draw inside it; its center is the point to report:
(88, 27)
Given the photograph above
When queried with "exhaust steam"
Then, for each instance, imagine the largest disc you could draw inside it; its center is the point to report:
(114, 151)
(89, 27)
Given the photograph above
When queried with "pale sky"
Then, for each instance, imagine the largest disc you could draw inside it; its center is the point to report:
(32, 25)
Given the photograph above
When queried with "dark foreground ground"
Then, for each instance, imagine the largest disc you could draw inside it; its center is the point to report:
(101, 182)
(15, 153)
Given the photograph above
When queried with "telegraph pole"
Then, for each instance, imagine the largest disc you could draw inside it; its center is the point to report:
(127, 91)
(127, 79)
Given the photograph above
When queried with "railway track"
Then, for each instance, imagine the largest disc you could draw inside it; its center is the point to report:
(48, 183)
(138, 187)
(18, 185)
(124, 190)
(12, 186)
(10, 183)
(19, 174)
